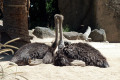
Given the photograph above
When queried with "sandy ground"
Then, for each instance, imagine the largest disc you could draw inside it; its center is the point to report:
(50, 72)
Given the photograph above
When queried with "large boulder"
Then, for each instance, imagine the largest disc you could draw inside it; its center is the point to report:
(42, 32)
(103, 14)
(108, 18)
(31, 35)
(87, 33)
(31, 32)
(98, 35)
(81, 36)
(85, 36)
(76, 35)
(71, 35)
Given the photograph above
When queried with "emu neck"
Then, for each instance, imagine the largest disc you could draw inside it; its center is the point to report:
(55, 44)
(61, 42)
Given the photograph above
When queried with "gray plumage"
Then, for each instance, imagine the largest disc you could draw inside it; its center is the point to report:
(33, 51)
(80, 51)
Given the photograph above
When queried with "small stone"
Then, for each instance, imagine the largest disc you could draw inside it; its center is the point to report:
(78, 63)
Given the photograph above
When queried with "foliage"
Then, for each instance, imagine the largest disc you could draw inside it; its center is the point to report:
(8, 47)
(42, 12)
(52, 28)
(66, 28)
(38, 16)
(49, 8)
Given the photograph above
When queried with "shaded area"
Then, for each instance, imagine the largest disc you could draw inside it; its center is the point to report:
(77, 13)
(42, 13)
(4, 57)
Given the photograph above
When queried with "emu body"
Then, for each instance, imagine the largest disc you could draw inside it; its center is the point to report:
(77, 51)
(33, 51)
(37, 51)
(80, 51)
(86, 53)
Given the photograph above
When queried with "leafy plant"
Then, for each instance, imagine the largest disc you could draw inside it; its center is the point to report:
(51, 28)
(49, 7)
(51, 10)
(66, 28)
(42, 12)
(8, 47)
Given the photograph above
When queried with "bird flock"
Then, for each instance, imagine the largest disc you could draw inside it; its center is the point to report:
(61, 53)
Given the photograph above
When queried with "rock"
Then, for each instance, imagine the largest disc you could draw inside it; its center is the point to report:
(76, 35)
(98, 35)
(42, 32)
(78, 63)
(103, 14)
(71, 35)
(85, 36)
(108, 18)
(81, 37)
(31, 32)
(87, 33)
(31, 35)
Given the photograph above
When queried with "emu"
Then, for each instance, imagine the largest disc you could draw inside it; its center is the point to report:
(77, 51)
(32, 51)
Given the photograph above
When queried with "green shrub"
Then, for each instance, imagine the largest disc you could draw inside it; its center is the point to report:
(66, 28)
